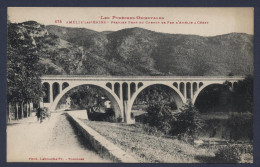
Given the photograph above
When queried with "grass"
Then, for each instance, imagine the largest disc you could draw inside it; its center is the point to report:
(149, 148)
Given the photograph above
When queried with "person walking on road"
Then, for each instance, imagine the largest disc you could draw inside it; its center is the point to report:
(39, 114)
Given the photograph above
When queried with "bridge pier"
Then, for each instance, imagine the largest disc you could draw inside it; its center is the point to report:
(129, 119)
(123, 115)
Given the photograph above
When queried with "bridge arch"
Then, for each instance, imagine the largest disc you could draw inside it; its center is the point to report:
(188, 90)
(132, 88)
(194, 87)
(182, 88)
(202, 87)
(117, 89)
(46, 89)
(115, 101)
(55, 89)
(175, 84)
(109, 85)
(131, 102)
(139, 85)
(200, 84)
(64, 85)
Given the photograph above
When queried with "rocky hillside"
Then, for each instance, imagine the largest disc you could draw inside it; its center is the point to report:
(137, 51)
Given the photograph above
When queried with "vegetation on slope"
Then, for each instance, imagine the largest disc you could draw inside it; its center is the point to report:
(137, 51)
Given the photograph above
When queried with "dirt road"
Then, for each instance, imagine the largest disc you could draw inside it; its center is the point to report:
(51, 141)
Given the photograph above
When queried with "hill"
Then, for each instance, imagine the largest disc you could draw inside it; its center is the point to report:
(137, 51)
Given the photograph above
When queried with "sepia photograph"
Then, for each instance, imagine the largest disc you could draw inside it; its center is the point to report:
(130, 85)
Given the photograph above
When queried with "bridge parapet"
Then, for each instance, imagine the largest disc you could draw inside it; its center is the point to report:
(138, 78)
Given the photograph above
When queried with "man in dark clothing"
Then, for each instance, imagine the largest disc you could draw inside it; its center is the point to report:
(39, 114)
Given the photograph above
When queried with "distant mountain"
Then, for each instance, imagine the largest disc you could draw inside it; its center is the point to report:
(137, 51)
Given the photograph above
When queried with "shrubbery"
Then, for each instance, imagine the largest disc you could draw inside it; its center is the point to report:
(181, 124)
(233, 153)
(188, 122)
(160, 116)
(242, 95)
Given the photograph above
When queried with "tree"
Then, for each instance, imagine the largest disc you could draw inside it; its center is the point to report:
(243, 95)
(185, 123)
(160, 115)
(188, 121)
(23, 71)
(241, 121)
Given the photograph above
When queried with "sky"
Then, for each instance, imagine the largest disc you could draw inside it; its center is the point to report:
(209, 21)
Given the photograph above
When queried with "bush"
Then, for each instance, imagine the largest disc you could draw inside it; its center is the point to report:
(181, 124)
(188, 122)
(233, 153)
(160, 116)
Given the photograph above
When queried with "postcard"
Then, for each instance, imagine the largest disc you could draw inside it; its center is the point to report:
(130, 85)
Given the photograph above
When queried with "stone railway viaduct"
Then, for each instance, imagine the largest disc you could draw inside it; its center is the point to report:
(123, 90)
